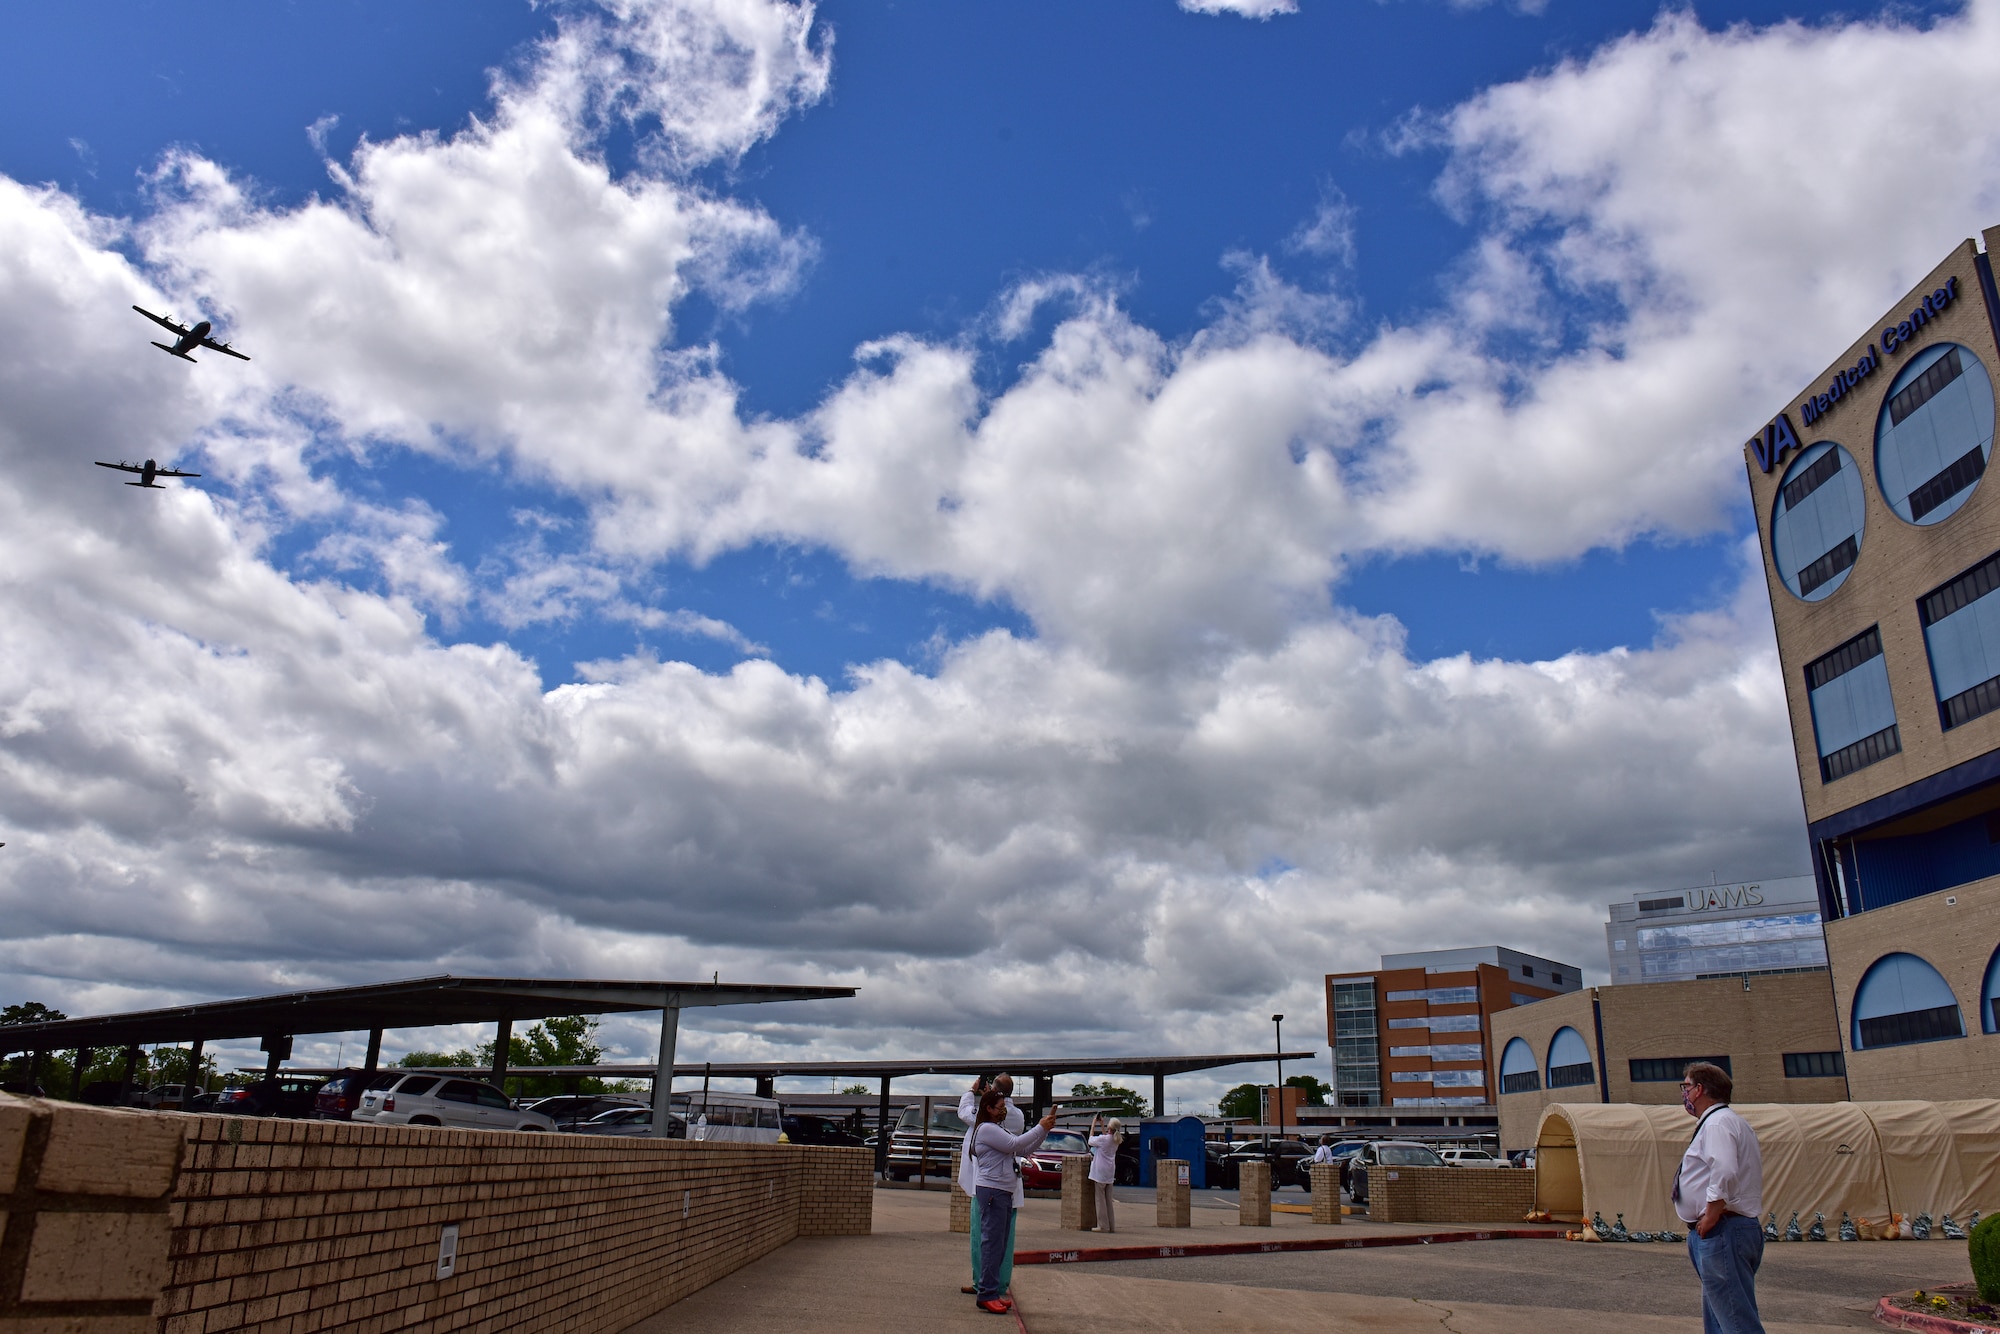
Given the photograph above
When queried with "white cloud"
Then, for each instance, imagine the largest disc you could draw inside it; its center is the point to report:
(218, 777)
(1249, 9)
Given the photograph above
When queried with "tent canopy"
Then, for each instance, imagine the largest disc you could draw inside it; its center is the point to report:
(1867, 1159)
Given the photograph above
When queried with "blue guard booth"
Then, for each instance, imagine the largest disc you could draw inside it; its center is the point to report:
(1183, 1141)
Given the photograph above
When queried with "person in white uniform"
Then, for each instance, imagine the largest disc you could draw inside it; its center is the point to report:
(1014, 1123)
(1718, 1193)
(1104, 1168)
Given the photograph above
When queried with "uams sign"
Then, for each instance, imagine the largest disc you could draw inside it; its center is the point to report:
(1726, 896)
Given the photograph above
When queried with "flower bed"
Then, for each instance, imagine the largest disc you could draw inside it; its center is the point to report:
(1952, 1309)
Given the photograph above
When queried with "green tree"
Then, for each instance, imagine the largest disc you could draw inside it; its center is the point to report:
(862, 1089)
(29, 1012)
(1244, 1102)
(419, 1060)
(1122, 1102)
(15, 1072)
(1316, 1092)
(563, 1040)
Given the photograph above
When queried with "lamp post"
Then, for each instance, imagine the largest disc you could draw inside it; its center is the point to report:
(1278, 1022)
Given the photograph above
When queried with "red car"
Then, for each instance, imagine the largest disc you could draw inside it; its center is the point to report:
(1043, 1169)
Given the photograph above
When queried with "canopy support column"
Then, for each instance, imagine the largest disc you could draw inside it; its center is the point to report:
(374, 1050)
(1045, 1095)
(663, 1073)
(503, 1038)
(882, 1131)
(84, 1056)
(1159, 1094)
(125, 1080)
(194, 1080)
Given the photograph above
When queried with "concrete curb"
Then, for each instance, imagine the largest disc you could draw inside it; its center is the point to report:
(1895, 1317)
(1095, 1254)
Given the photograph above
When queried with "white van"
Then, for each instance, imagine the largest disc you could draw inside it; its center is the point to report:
(738, 1118)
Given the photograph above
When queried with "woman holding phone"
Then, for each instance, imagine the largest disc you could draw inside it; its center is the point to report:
(994, 1152)
(1104, 1168)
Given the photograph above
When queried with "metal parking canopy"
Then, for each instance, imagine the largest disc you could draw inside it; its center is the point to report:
(422, 1002)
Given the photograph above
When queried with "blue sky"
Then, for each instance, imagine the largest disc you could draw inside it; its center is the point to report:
(962, 149)
(984, 502)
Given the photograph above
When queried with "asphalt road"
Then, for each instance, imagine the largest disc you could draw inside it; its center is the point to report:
(1830, 1283)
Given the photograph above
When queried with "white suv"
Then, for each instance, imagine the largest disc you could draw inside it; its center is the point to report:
(1470, 1158)
(438, 1100)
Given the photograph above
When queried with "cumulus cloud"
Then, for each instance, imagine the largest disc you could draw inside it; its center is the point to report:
(1198, 785)
(1249, 9)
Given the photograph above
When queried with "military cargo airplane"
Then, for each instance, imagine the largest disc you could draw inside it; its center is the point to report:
(147, 473)
(187, 339)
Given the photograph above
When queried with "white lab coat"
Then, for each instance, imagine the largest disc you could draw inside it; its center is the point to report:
(968, 1168)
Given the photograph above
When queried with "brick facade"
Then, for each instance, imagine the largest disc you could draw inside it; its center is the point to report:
(1449, 1194)
(189, 1224)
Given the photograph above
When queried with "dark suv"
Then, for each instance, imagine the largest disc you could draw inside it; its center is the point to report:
(287, 1095)
(1389, 1153)
(340, 1095)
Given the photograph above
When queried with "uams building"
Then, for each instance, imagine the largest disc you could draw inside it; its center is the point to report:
(1881, 544)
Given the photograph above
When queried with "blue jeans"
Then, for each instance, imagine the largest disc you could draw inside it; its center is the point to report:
(1006, 1252)
(1726, 1261)
(996, 1227)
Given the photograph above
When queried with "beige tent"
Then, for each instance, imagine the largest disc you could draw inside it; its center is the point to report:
(1865, 1159)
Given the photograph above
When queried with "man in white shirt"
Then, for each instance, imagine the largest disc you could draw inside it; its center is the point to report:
(1718, 1193)
(1015, 1124)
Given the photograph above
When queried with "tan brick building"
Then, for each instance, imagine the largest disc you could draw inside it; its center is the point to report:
(1881, 545)
(1775, 1034)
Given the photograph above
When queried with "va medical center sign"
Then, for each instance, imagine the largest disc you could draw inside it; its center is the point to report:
(1779, 439)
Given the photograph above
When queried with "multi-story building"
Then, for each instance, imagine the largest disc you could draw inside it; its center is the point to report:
(1417, 1031)
(1745, 928)
(1774, 1034)
(1881, 547)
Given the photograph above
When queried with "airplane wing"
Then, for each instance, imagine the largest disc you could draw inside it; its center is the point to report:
(172, 472)
(121, 467)
(163, 321)
(224, 348)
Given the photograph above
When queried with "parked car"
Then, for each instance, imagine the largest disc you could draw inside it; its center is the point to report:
(1286, 1156)
(1222, 1167)
(437, 1100)
(819, 1130)
(1042, 1170)
(570, 1110)
(1470, 1158)
(632, 1122)
(103, 1093)
(341, 1094)
(907, 1140)
(1387, 1153)
(286, 1095)
(169, 1096)
(200, 1102)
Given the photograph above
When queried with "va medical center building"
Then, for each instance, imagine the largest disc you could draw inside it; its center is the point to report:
(1881, 544)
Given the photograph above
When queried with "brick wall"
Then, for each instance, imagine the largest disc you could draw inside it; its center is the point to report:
(1449, 1194)
(295, 1226)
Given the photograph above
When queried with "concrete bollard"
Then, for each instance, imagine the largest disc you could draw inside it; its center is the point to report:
(961, 1203)
(1170, 1192)
(1079, 1198)
(1253, 1194)
(1326, 1192)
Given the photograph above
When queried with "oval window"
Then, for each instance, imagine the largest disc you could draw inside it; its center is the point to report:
(1935, 433)
(1517, 1068)
(1902, 999)
(1816, 521)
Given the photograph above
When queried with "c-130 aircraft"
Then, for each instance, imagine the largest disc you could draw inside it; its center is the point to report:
(186, 339)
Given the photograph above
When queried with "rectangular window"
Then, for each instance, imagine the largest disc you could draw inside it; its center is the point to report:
(1661, 905)
(1459, 1079)
(1833, 564)
(1962, 633)
(1925, 387)
(1911, 1026)
(1959, 474)
(1455, 1023)
(1669, 1069)
(1409, 1076)
(1527, 971)
(1458, 1051)
(1441, 1102)
(1854, 717)
(1440, 995)
(1410, 1051)
(1520, 999)
(1814, 1064)
(1357, 1068)
(1812, 479)
(1571, 1076)
(1409, 1023)
(1522, 1081)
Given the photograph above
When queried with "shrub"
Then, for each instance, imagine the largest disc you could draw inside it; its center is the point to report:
(1983, 1244)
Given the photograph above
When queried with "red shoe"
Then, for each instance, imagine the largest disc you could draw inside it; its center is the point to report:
(996, 1306)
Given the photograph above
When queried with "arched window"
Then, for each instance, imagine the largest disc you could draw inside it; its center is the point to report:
(1903, 999)
(1816, 521)
(1989, 996)
(1569, 1060)
(1935, 433)
(1517, 1068)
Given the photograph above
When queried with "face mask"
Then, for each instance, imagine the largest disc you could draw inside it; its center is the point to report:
(1687, 1101)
